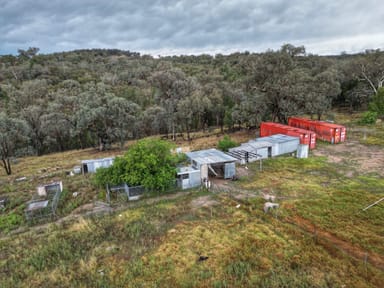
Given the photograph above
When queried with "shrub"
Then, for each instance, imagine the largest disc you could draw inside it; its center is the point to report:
(226, 143)
(368, 118)
(149, 163)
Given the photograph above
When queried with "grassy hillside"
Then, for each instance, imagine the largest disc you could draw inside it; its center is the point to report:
(319, 237)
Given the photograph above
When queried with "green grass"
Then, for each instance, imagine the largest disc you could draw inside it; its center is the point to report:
(158, 244)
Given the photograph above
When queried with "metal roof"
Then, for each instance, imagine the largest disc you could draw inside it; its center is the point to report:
(277, 138)
(258, 144)
(97, 160)
(210, 156)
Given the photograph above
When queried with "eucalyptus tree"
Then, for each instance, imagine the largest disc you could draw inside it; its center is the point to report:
(57, 126)
(214, 93)
(250, 111)
(363, 76)
(325, 88)
(92, 116)
(153, 121)
(172, 85)
(193, 111)
(33, 92)
(64, 102)
(33, 115)
(372, 69)
(105, 117)
(124, 119)
(13, 136)
(269, 76)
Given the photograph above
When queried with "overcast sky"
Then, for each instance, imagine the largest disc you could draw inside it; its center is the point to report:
(167, 27)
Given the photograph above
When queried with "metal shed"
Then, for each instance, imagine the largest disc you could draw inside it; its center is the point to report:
(188, 177)
(281, 144)
(213, 162)
(90, 166)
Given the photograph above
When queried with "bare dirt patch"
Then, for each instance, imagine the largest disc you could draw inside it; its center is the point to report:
(364, 158)
(203, 201)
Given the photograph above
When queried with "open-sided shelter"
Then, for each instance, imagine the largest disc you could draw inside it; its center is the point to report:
(251, 151)
(213, 162)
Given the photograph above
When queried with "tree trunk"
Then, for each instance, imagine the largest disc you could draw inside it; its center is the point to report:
(173, 131)
(101, 144)
(7, 166)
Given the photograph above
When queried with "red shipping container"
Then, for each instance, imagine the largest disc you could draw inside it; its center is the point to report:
(329, 132)
(271, 128)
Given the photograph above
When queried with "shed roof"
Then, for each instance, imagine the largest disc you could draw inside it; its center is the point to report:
(210, 156)
(258, 144)
(277, 138)
(97, 160)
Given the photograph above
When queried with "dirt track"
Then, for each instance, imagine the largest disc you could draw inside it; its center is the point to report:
(328, 240)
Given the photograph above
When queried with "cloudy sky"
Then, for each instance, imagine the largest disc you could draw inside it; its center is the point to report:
(167, 27)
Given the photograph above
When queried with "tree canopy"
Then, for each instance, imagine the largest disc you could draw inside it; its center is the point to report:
(13, 136)
(94, 98)
(149, 163)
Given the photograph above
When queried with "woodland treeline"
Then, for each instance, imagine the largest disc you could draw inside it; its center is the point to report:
(96, 97)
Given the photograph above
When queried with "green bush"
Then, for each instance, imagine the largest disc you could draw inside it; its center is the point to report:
(369, 118)
(226, 143)
(149, 163)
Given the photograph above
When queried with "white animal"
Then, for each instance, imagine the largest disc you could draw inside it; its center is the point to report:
(270, 205)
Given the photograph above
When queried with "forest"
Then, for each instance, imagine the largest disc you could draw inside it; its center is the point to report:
(98, 97)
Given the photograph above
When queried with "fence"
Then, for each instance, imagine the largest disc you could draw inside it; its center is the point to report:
(122, 193)
(41, 209)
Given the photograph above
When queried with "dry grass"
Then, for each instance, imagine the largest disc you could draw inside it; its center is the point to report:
(158, 244)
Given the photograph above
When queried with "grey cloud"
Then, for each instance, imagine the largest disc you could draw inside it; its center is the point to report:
(186, 26)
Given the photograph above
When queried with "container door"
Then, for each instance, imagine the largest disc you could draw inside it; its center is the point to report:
(229, 170)
(337, 135)
(185, 181)
(342, 134)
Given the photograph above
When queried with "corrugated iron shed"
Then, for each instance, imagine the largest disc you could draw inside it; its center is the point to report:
(282, 144)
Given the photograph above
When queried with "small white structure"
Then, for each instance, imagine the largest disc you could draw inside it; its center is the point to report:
(269, 205)
(46, 189)
(90, 166)
(188, 177)
(76, 170)
(302, 151)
